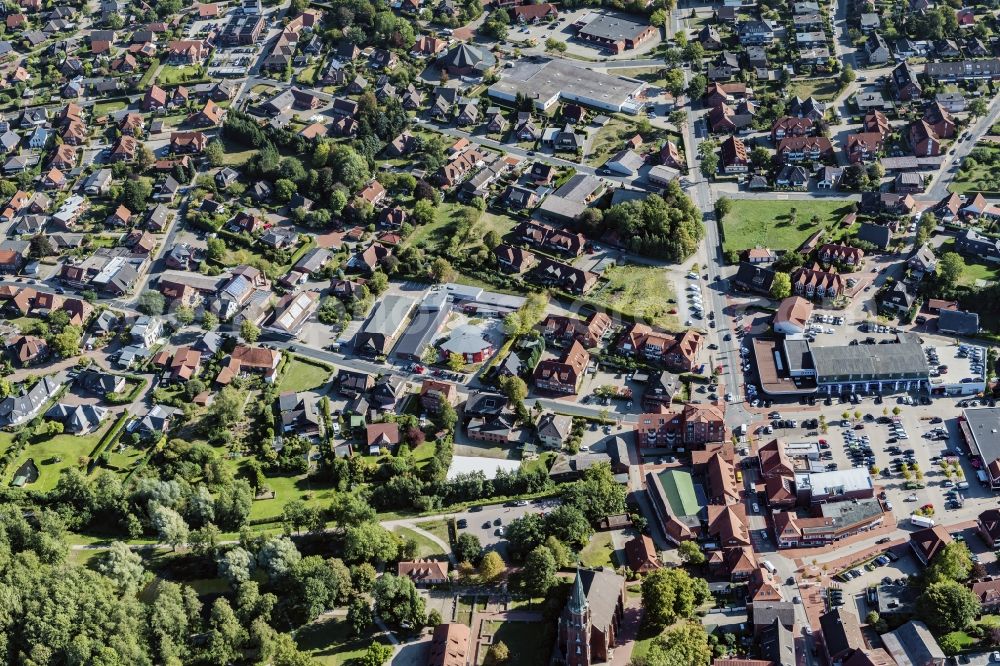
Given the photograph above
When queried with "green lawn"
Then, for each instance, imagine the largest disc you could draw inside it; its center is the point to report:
(438, 528)
(643, 292)
(423, 453)
(102, 108)
(528, 643)
(653, 75)
(436, 234)
(600, 551)
(824, 90)
(768, 223)
(171, 74)
(977, 175)
(236, 153)
(544, 460)
(308, 75)
(301, 376)
(612, 137)
(147, 76)
(502, 224)
(331, 643)
(425, 547)
(974, 270)
(53, 455)
(286, 488)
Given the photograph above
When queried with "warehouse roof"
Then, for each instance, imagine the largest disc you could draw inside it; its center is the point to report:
(889, 361)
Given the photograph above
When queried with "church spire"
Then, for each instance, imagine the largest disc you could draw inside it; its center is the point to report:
(577, 600)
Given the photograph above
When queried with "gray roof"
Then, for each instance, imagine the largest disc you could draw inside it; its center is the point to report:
(859, 362)
(912, 643)
(628, 159)
(15, 410)
(467, 55)
(485, 403)
(841, 631)
(958, 321)
(465, 339)
(568, 80)
(388, 313)
(157, 419)
(983, 426)
(767, 612)
(877, 234)
(777, 644)
(421, 332)
(313, 260)
(77, 418)
(614, 28)
(602, 590)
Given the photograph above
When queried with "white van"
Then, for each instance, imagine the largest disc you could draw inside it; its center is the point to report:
(770, 567)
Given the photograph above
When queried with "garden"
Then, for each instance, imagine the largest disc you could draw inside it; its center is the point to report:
(781, 224)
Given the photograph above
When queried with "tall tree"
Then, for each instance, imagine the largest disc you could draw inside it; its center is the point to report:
(398, 602)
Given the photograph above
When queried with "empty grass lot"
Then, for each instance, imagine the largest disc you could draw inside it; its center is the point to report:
(53, 455)
(438, 528)
(653, 75)
(769, 223)
(301, 376)
(170, 74)
(977, 174)
(425, 547)
(600, 551)
(331, 642)
(236, 153)
(529, 643)
(103, 108)
(823, 90)
(433, 235)
(643, 292)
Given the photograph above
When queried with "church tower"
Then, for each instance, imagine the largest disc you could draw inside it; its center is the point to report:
(574, 627)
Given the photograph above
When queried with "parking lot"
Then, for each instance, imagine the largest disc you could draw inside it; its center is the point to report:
(487, 523)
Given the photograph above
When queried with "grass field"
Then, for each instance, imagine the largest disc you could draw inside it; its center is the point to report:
(653, 75)
(612, 137)
(769, 224)
(331, 643)
(822, 89)
(147, 76)
(53, 455)
(644, 292)
(436, 235)
(425, 547)
(527, 643)
(236, 153)
(980, 177)
(301, 376)
(286, 488)
(102, 108)
(599, 551)
(171, 74)
(974, 270)
(438, 528)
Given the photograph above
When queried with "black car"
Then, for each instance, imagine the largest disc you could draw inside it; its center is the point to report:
(462, 523)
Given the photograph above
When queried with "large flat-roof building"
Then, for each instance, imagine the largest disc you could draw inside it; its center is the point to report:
(893, 367)
(834, 486)
(546, 83)
(981, 430)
